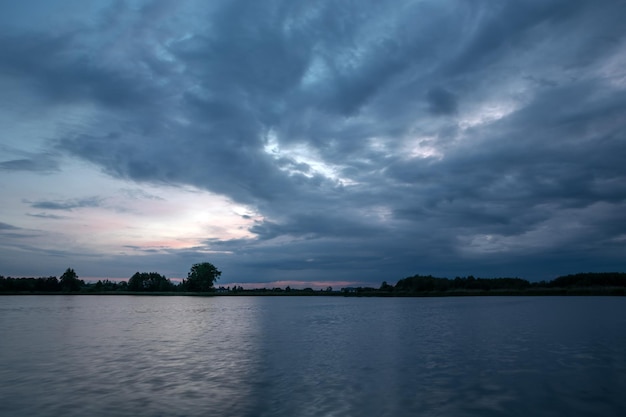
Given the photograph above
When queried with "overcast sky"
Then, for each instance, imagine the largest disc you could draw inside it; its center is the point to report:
(339, 142)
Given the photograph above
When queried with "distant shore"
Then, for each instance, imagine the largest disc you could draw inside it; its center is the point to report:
(581, 291)
(583, 284)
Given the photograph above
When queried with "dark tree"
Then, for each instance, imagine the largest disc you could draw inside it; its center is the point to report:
(51, 284)
(149, 281)
(69, 281)
(201, 277)
(590, 279)
(386, 287)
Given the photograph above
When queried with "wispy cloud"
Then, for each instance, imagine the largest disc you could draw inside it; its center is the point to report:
(139, 194)
(67, 205)
(46, 216)
(6, 226)
(39, 163)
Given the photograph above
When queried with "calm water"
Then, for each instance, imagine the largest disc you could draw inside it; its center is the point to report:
(312, 356)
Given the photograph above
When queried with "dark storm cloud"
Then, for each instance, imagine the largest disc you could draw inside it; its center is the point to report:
(317, 224)
(513, 27)
(441, 101)
(60, 69)
(438, 122)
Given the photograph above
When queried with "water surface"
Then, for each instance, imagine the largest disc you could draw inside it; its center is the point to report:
(312, 356)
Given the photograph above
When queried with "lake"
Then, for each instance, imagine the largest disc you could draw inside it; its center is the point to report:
(312, 356)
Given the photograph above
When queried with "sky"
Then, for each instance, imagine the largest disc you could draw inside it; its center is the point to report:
(313, 143)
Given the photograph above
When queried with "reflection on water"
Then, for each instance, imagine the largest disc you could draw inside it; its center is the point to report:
(311, 356)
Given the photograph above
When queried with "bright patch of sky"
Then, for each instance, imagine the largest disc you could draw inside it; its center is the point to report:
(306, 160)
(115, 215)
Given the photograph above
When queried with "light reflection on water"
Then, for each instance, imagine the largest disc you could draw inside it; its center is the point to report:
(312, 356)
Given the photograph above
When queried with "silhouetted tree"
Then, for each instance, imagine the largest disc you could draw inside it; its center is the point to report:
(69, 281)
(201, 277)
(590, 279)
(149, 281)
(51, 284)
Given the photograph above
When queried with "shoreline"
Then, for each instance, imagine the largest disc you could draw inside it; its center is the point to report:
(576, 291)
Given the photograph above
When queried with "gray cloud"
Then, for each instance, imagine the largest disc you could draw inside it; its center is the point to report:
(35, 165)
(533, 96)
(13, 236)
(46, 216)
(441, 101)
(139, 194)
(6, 226)
(67, 205)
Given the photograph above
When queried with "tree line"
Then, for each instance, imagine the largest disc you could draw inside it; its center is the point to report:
(427, 284)
(201, 278)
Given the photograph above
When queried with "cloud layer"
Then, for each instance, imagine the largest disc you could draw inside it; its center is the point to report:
(367, 141)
